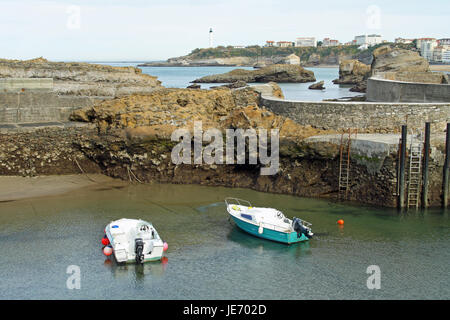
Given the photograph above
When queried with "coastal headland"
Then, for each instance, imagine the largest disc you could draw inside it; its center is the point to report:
(258, 56)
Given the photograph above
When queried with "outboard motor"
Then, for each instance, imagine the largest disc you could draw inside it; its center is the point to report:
(298, 226)
(139, 250)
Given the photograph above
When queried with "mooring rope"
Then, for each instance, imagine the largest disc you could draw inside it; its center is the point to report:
(82, 171)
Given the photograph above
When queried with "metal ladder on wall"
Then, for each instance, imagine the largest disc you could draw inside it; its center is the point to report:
(344, 164)
(414, 172)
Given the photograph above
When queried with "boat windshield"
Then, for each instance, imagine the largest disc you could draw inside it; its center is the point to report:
(280, 215)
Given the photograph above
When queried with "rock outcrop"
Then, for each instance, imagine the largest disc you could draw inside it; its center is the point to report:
(271, 89)
(157, 115)
(82, 79)
(291, 59)
(359, 87)
(352, 72)
(387, 59)
(317, 86)
(275, 73)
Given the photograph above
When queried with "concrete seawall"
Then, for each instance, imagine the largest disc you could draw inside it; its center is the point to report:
(399, 91)
(365, 116)
(39, 106)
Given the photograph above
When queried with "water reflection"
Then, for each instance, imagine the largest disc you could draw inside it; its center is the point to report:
(267, 247)
(153, 269)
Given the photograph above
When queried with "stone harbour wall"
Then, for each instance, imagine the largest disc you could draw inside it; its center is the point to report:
(399, 91)
(364, 116)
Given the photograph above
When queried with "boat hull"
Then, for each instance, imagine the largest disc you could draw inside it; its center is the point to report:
(269, 234)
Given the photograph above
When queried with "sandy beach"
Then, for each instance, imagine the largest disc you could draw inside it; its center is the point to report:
(440, 67)
(16, 188)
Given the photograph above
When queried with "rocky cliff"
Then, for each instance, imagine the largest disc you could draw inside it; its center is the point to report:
(275, 73)
(82, 79)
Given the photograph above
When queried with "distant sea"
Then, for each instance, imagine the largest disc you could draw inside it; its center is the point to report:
(180, 77)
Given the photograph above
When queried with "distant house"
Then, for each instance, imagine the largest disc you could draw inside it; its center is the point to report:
(284, 44)
(306, 42)
(350, 43)
(444, 42)
(270, 43)
(405, 41)
(292, 59)
(327, 42)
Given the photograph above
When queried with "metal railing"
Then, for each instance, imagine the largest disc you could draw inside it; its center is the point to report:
(237, 201)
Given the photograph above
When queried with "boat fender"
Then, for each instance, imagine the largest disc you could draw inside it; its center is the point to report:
(107, 251)
(260, 229)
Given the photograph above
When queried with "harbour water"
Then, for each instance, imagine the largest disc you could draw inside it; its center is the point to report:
(209, 258)
(180, 77)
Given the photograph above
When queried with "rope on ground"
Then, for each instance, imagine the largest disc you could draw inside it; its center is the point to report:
(82, 171)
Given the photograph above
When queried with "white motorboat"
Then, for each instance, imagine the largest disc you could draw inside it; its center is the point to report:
(267, 223)
(133, 240)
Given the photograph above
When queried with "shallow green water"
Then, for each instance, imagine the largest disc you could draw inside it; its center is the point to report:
(209, 258)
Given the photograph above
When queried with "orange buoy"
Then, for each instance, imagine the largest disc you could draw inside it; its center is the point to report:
(107, 251)
(105, 241)
(340, 221)
(165, 246)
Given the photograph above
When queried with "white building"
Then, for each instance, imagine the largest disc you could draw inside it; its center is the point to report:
(365, 41)
(427, 46)
(446, 56)
(442, 54)
(306, 42)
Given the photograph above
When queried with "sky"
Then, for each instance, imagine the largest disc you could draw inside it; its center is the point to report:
(145, 30)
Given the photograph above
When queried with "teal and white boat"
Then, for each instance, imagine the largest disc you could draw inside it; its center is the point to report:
(267, 223)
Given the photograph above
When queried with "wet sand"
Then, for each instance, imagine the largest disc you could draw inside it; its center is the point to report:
(15, 187)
